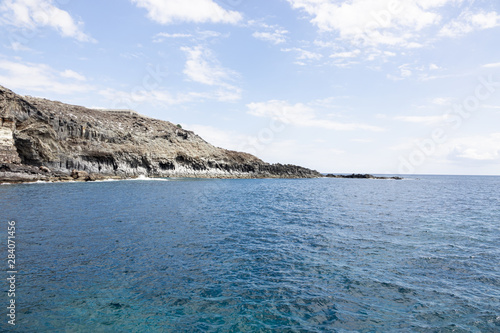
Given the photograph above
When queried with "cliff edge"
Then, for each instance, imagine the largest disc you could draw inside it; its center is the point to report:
(48, 140)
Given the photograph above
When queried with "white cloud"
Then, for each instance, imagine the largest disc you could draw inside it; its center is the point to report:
(362, 140)
(414, 45)
(492, 65)
(160, 37)
(199, 35)
(427, 120)
(205, 34)
(131, 99)
(123, 99)
(494, 107)
(427, 77)
(479, 154)
(73, 75)
(416, 70)
(323, 43)
(268, 33)
(33, 14)
(132, 55)
(441, 101)
(402, 23)
(167, 35)
(405, 71)
(202, 67)
(195, 11)
(41, 78)
(434, 67)
(277, 36)
(347, 54)
(468, 22)
(17, 46)
(477, 148)
(303, 55)
(301, 115)
(371, 22)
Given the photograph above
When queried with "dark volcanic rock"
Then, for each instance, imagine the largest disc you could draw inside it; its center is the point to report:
(61, 137)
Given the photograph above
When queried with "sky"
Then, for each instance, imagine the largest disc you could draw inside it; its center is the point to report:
(364, 86)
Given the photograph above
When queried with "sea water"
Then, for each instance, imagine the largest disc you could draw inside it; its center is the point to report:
(270, 255)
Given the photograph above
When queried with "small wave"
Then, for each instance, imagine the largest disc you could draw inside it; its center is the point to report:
(35, 182)
(51, 182)
(143, 177)
(107, 180)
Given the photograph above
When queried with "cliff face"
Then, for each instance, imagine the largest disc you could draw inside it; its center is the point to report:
(36, 132)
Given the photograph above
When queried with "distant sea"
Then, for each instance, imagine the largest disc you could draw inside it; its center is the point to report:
(269, 255)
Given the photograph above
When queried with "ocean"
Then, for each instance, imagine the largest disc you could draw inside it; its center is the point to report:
(255, 255)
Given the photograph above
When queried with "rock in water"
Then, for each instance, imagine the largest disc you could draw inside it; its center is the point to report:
(63, 137)
(79, 175)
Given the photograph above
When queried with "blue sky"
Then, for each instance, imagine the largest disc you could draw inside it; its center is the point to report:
(388, 86)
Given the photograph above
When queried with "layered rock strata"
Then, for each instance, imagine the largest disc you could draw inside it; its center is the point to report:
(46, 140)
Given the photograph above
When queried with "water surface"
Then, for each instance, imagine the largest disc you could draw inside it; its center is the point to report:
(313, 255)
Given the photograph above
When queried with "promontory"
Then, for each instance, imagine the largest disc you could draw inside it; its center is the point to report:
(49, 141)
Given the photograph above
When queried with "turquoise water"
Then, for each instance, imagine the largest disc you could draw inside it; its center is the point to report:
(316, 255)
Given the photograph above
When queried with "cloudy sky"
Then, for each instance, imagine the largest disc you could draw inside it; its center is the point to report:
(377, 86)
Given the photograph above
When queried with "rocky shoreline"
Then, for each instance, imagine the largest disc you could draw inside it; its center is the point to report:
(43, 140)
(19, 173)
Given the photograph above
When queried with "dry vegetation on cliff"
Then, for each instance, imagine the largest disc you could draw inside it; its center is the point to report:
(36, 132)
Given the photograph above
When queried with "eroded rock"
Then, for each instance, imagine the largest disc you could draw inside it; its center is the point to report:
(66, 137)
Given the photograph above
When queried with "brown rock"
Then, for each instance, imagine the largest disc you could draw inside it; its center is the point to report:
(67, 138)
(93, 177)
(79, 175)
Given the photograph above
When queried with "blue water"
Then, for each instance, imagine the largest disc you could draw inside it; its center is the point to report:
(317, 255)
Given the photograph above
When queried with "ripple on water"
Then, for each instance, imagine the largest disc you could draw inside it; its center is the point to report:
(259, 255)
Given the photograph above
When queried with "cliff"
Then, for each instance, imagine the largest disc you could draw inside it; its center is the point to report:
(47, 140)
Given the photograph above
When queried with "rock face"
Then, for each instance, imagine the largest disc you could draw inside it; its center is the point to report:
(8, 152)
(62, 138)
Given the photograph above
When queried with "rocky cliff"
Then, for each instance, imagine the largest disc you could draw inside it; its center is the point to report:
(42, 139)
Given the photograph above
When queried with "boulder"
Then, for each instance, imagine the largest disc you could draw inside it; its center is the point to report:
(79, 175)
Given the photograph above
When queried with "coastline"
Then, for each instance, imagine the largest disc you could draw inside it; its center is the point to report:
(18, 174)
(53, 141)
